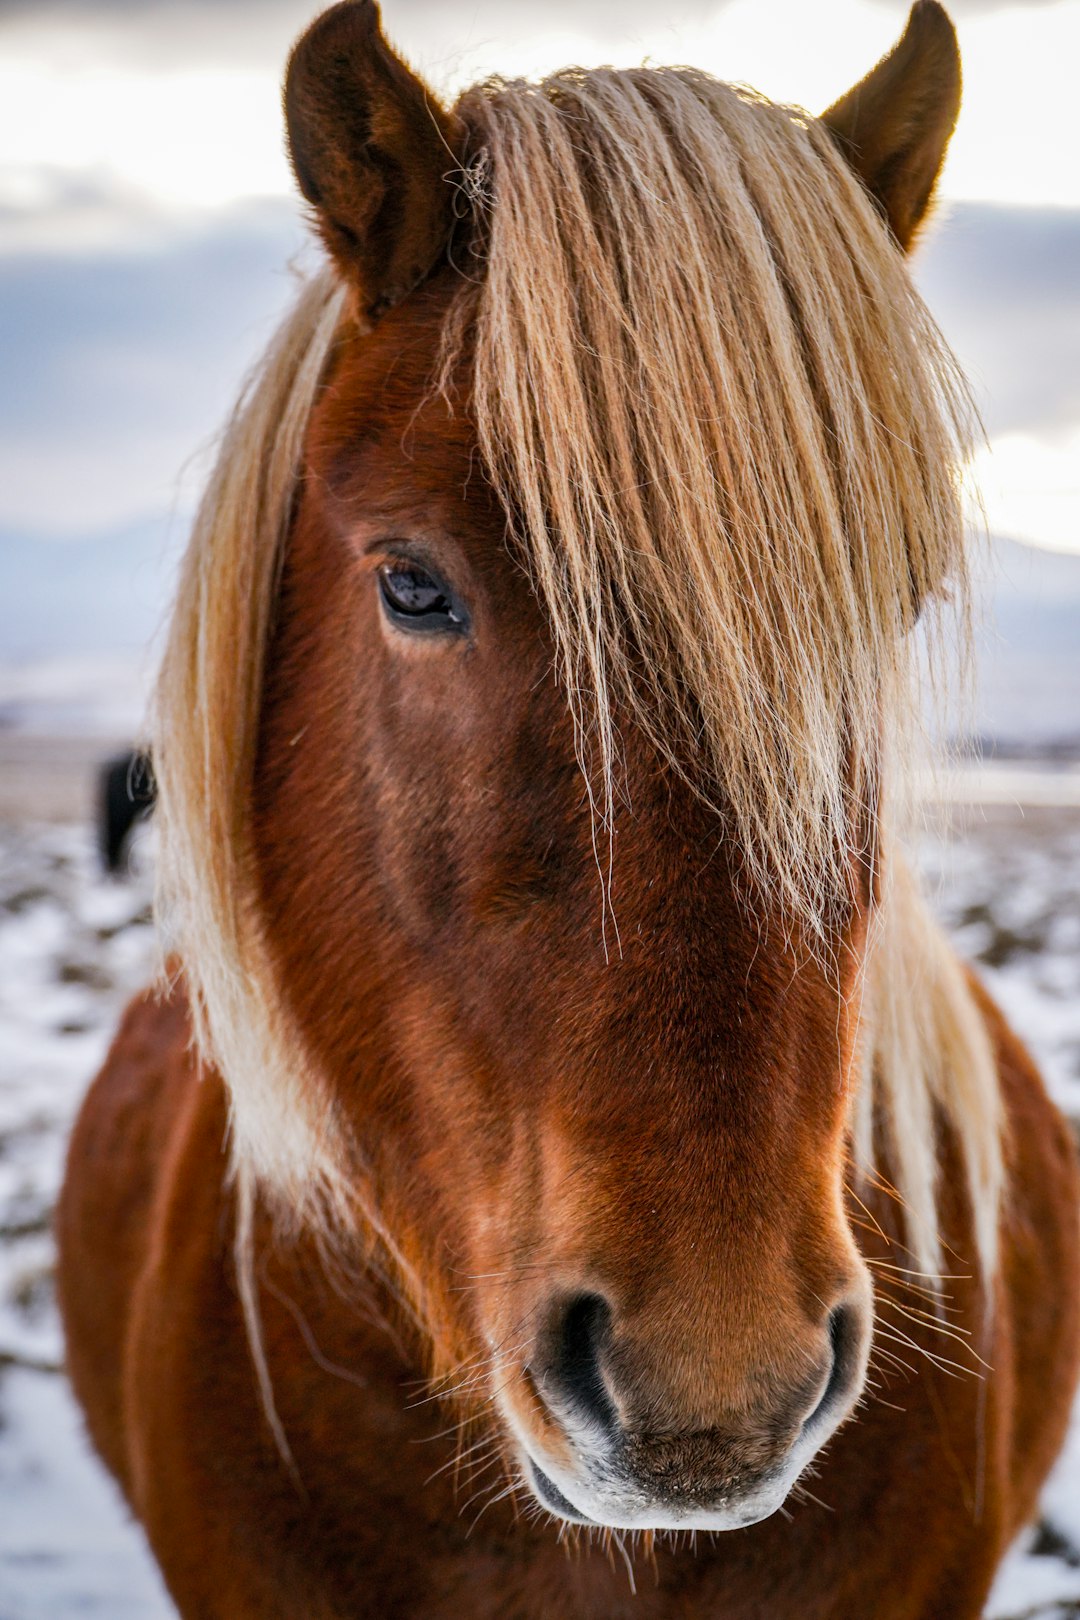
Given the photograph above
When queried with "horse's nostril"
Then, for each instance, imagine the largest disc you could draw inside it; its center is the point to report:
(845, 1337)
(578, 1339)
(844, 1343)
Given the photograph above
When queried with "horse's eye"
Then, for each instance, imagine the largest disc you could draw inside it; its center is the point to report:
(415, 599)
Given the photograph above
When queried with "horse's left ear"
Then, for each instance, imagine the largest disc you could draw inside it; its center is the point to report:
(894, 126)
(373, 152)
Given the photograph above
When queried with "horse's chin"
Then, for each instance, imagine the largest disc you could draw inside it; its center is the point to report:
(600, 1492)
(623, 1509)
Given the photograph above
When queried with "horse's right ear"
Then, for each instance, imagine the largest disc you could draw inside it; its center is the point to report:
(372, 150)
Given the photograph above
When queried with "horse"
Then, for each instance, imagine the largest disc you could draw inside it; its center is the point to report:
(125, 798)
(541, 1167)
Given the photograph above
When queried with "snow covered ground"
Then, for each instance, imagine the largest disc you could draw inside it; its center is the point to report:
(72, 948)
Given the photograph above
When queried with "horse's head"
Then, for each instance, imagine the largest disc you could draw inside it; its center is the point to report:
(596, 1057)
(618, 1170)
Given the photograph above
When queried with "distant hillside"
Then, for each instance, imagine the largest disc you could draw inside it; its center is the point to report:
(1029, 652)
(77, 620)
(102, 593)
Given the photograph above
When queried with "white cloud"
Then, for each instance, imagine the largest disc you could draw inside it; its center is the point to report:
(199, 137)
(1031, 489)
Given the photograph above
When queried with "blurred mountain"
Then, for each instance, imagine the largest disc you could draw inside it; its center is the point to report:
(103, 593)
(1028, 698)
(78, 625)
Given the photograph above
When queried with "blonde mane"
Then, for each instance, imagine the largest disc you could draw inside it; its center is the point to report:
(729, 435)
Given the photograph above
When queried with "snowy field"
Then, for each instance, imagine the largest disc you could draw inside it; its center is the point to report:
(73, 946)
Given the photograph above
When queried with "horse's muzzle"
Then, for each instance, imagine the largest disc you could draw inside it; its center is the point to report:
(589, 1462)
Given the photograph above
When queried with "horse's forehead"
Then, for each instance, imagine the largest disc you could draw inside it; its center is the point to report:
(386, 380)
(390, 444)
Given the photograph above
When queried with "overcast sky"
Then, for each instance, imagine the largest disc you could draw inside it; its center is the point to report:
(146, 216)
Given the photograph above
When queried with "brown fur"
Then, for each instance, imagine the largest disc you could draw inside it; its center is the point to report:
(372, 151)
(667, 1127)
(895, 124)
(925, 1489)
